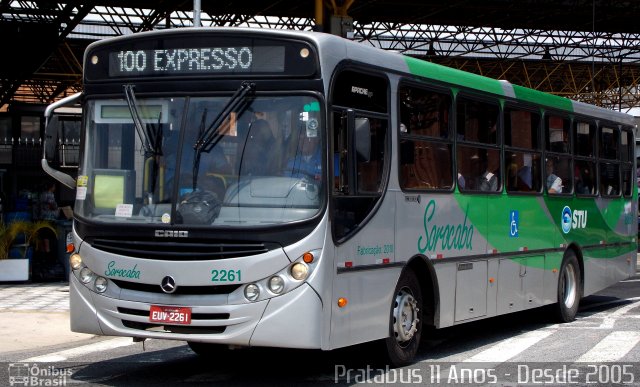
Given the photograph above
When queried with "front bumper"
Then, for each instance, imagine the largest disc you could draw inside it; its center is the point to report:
(292, 320)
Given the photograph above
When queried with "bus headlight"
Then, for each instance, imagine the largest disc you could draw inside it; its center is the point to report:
(299, 271)
(252, 292)
(86, 275)
(276, 284)
(75, 261)
(101, 284)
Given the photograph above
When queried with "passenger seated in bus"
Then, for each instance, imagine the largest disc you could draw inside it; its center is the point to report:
(487, 181)
(554, 182)
(461, 182)
(583, 183)
(525, 180)
(307, 160)
(257, 155)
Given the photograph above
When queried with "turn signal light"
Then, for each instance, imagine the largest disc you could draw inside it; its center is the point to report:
(307, 257)
(342, 302)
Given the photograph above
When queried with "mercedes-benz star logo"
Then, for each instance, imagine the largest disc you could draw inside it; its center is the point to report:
(168, 284)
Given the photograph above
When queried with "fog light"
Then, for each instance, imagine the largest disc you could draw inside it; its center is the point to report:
(299, 271)
(252, 292)
(86, 275)
(276, 284)
(101, 284)
(75, 261)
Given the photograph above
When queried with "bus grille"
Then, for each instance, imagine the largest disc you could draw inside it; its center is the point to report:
(191, 290)
(191, 250)
(186, 330)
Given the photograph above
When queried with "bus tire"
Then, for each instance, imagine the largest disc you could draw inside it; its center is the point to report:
(569, 292)
(207, 349)
(405, 320)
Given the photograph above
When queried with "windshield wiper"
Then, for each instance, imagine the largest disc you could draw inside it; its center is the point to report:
(150, 136)
(151, 139)
(208, 137)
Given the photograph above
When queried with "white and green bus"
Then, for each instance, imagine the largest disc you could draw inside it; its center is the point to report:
(253, 187)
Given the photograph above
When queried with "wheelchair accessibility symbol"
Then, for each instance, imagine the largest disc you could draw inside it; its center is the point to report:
(515, 224)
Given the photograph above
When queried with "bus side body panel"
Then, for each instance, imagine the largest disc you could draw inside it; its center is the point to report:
(366, 277)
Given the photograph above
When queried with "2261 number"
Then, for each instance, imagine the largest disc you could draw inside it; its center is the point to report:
(226, 275)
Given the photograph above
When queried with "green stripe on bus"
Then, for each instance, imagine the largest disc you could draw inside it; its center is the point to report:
(538, 97)
(454, 76)
(538, 231)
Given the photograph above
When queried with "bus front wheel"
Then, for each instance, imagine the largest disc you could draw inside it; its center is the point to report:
(405, 322)
(569, 292)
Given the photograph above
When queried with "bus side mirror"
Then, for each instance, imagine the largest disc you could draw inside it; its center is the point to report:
(363, 139)
(51, 140)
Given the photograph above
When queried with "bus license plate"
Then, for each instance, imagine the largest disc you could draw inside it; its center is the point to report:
(170, 314)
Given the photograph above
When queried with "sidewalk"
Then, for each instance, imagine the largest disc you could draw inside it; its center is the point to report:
(34, 316)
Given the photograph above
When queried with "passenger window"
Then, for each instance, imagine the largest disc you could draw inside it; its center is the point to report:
(626, 156)
(426, 148)
(558, 170)
(477, 122)
(609, 179)
(608, 147)
(608, 143)
(585, 177)
(584, 134)
(522, 150)
(478, 169)
(557, 134)
(558, 176)
(585, 168)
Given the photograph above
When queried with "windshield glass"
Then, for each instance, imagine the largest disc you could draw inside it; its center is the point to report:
(186, 161)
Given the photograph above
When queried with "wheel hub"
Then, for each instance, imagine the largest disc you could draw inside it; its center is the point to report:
(405, 316)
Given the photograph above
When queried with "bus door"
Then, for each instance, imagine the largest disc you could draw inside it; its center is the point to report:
(362, 215)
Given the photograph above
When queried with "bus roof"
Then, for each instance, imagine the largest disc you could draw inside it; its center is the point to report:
(334, 49)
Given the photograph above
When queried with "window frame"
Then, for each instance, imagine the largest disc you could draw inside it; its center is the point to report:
(601, 160)
(509, 105)
(569, 154)
(448, 141)
(463, 96)
(579, 158)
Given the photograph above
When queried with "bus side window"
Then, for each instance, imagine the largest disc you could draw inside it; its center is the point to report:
(426, 150)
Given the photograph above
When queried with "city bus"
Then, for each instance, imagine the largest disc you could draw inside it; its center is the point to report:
(270, 188)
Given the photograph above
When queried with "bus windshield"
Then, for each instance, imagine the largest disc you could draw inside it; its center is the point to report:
(202, 160)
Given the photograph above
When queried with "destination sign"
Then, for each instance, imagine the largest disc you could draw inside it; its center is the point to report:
(200, 60)
(205, 54)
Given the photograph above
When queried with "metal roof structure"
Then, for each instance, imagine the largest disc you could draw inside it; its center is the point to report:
(588, 50)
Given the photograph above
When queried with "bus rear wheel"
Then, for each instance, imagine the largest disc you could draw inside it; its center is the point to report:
(405, 322)
(569, 289)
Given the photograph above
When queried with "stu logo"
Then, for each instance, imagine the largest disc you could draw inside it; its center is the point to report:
(450, 236)
(573, 219)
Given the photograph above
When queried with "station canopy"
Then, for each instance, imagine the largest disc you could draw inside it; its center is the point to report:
(585, 50)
